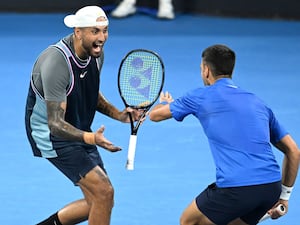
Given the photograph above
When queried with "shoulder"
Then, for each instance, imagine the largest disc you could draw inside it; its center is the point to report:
(53, 57)
(50, 58)
(52, 50)
(54, 53)
(199, 92)
(192, 97)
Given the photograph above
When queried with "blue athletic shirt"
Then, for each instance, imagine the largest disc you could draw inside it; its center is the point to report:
(240, 129)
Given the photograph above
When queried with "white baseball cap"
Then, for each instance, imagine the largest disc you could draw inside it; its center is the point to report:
(87, 17)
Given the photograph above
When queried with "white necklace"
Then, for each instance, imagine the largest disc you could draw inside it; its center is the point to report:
(83, 60)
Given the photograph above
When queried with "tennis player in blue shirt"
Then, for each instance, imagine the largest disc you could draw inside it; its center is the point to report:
(241, 130)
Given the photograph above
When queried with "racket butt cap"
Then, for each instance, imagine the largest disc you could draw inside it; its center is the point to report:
(129, 167)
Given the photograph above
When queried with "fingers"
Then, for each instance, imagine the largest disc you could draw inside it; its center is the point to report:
(161, 96)
(129, 109)
(165, 97)
(112, 148)
(136, 113)
(277, 211)
(103, 142)
(168, 95)
(101, 129)
(109, 146)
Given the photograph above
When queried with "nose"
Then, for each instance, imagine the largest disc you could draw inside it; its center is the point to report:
(102, 36)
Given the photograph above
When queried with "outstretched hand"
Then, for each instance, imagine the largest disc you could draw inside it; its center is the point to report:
(165, 97)
(103, 142)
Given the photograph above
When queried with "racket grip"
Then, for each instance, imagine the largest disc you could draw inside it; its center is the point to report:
(131, 152)
(280, 208)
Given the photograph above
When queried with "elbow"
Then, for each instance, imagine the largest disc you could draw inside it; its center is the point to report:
(152, 117)
(54, 128)
(155, 117)
(160, 113)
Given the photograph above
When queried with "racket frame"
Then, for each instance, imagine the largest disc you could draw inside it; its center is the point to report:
(145, 108)
(134, 127)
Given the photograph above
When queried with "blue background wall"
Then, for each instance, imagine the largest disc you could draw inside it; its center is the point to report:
(288, 9)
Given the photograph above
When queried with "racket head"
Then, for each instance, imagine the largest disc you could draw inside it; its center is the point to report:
(140, 78)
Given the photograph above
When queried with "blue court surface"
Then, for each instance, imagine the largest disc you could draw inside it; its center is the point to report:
(173, 161)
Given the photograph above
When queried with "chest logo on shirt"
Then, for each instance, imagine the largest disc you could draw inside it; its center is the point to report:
(82, 75)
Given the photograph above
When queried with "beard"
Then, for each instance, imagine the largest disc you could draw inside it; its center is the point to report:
(93, 49)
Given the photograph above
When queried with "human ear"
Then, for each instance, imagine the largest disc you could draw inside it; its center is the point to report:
(206, 70)
(77, 33)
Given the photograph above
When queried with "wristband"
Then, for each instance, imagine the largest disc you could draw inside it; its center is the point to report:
(285, 192)
(89, 138)
(164, 103)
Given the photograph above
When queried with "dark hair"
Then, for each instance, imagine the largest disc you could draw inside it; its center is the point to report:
(220, 59)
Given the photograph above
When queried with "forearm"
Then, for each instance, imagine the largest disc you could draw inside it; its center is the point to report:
(291, 160)
(65, 130)
(106, 108)
(160, 112)
(290, 168)
(60, 128)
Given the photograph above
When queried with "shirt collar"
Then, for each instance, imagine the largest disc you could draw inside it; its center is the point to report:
(224, 81)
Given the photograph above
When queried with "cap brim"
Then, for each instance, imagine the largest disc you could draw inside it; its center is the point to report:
(70, 21)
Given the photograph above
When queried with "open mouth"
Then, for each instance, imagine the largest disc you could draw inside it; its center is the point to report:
(97, 47)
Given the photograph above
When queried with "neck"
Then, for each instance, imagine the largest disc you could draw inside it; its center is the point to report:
(222, 76)
(218, 77)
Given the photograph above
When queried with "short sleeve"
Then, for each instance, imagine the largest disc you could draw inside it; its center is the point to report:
(185, 105)
(277, 131)
(55, 76)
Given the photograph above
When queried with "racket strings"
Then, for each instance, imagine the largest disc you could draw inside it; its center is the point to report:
(141, 78)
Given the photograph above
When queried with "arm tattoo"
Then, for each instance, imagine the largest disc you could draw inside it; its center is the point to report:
(57, 124)
(103, 106)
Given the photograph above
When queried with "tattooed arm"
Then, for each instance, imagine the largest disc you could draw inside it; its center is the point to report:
(59, 127)
(106, 108)
(111, 111)
(57, 124)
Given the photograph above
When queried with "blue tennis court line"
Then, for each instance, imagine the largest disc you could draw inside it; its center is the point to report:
(173, 163)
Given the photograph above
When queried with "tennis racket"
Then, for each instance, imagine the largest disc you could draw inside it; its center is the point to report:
(140, 81)
(280, 208)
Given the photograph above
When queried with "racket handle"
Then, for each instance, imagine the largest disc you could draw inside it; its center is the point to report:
(131, 152)
(280, 208)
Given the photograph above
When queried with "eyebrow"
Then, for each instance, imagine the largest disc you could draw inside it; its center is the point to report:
(97, 28)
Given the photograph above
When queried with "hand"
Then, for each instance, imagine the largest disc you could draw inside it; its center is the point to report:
(275, 213)
(165, 97)
(103, 142)
(135, 113)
